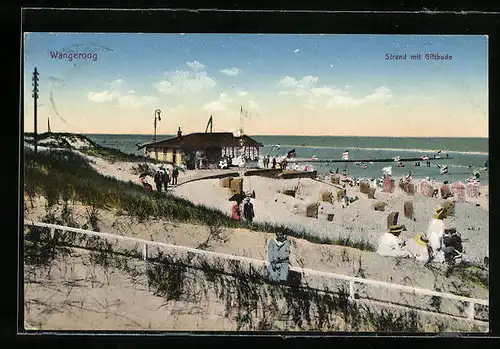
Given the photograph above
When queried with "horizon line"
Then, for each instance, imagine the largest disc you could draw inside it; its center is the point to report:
(266, 135)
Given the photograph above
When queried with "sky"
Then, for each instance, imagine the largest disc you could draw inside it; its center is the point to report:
(338, 85)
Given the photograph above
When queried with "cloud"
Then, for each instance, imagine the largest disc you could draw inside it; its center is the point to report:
(106, 95)
(312, 95)
(230, 72)
(103, 96)
(186, 81)
(116, 93)
(219, 105)
(195, 65)
(296, 50)
(131, 100)
(176, 109)
(253, 105)
(304, 83)
(241, 93)
(380, 95)
(342, 101)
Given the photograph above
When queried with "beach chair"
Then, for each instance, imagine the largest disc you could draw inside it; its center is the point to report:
(458, 190)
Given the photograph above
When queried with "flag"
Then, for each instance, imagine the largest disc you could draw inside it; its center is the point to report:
(291, 153)
(345, 155)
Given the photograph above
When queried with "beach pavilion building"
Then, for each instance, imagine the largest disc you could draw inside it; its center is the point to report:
(213, 146)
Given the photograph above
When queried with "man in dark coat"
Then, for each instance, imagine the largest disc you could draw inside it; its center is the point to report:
(248, 212)
(175, 174)
(165, 178)
(158, 181)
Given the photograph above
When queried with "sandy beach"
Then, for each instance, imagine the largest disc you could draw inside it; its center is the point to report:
(241, 242)
(358, 221)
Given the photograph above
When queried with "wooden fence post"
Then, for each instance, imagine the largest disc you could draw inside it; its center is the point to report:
(470, 311)
(351, 290)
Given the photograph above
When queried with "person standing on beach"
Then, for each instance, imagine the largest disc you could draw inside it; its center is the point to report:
(158, 181)
(175, 174)
(248, 212)
(278, 258)
(165, 179)
(435, 233)
(274, 163)
(236, 211)
(283, 164)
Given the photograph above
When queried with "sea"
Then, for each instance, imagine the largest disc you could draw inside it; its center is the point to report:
(467, 154)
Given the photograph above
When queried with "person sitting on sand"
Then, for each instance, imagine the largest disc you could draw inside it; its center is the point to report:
(418, 247)
(236, 211)
(452, 245)
(278, 257)
(390, 243)
(248, 212)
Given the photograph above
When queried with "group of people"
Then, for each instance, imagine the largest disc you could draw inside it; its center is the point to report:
(248, 211)
(162, 178)
(438, 244)
(267, 160)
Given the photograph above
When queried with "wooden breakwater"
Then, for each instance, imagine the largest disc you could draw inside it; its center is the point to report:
(367, 160)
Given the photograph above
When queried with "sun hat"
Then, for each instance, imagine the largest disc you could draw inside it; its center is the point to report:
(439, 212)
(395, 229)
(421, 239)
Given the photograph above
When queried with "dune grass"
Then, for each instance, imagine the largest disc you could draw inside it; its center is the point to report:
(108, 153)
(249, 298)
(64, 174)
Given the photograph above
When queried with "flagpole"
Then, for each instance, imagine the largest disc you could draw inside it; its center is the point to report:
(157, 114)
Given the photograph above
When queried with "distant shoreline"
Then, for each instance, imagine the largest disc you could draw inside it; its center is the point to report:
(272, 135)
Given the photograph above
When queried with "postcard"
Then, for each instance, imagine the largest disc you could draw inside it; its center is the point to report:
(255, 182)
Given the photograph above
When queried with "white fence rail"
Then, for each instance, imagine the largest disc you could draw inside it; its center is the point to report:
(351, 279)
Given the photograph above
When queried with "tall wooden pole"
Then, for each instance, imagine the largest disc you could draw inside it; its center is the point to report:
(35, 98)
(157, 114)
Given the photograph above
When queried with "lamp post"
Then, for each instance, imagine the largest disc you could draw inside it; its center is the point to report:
(157, 116)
